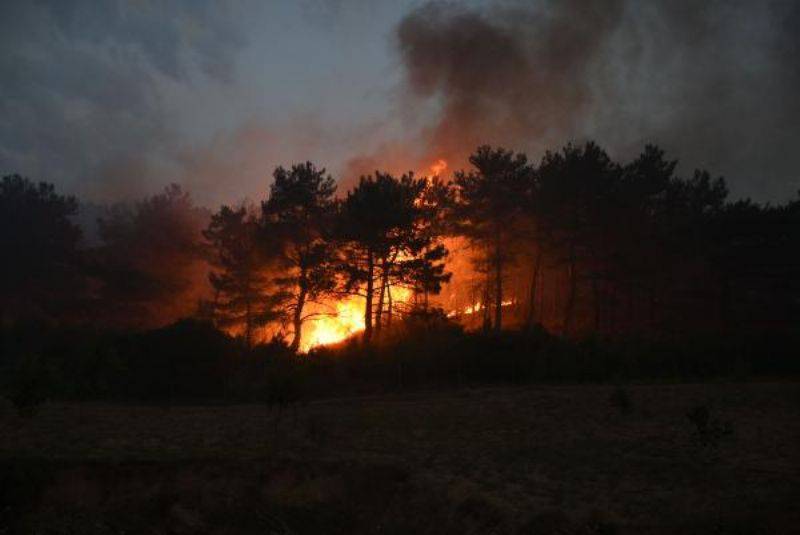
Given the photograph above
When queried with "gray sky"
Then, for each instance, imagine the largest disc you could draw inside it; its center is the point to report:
(114, 99)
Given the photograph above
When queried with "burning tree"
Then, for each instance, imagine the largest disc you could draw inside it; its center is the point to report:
(488, 211)
(298, 218)
(423, 268)
(389, 240)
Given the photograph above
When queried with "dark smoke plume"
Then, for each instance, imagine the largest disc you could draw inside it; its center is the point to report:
(504, 76)
(711, 82)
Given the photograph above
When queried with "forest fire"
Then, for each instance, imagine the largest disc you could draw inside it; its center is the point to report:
(343, 319)
(475, 308)
(337, 321)
(426, 266)
(347, 320)
(438, 167)
(316, 269)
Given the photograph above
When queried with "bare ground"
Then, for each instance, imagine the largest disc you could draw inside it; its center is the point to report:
(501, 460)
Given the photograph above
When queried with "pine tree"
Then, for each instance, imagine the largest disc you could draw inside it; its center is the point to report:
(389, 240)
(240, 277)
(488, 209)
(298, 218)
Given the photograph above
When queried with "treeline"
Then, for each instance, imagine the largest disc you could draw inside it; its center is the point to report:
(282, 264)
(577, 243)
(145, 268)
(576, 268)
(583, 244)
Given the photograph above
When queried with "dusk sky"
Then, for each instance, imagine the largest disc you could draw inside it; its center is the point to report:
(112, 100)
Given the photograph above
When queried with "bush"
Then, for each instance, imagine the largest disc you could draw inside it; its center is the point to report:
(184, 361)
(191, 361)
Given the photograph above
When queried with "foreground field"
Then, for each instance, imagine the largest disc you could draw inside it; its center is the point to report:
(583, 459)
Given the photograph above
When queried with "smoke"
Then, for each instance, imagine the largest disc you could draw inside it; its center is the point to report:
(116, 100)
(502, 76)
(82, 98)
(151, 264)
(712, 83)
(237, 166)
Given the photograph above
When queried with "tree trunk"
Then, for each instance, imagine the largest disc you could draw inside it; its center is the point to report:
(297, 320)
(248, 316)
(384, 284)
(214, 307)
(651, 307)
(569, 310)
(597, 303)
(485, 308)
(532, 296)
(498, 290)
(248, 324)
(541, 290)
(379, 309)
(389, 310)
(370, 291)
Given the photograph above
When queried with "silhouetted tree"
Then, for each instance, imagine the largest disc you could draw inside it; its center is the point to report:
(635, 246)
(421, 267)
(488, 211)
(151, 264)
(40, 272)
(573, 196)
(298, 219)
(385, 229)
(240, 279)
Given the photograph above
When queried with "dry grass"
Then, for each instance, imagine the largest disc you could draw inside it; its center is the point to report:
(526, 460)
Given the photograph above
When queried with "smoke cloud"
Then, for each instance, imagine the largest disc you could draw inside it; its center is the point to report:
(114, 101)
(714, 84)
(502, 76)
(83, 84)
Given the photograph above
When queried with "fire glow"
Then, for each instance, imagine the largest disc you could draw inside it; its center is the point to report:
(438, 167)
(473, 309)
(339, 325)
(333, 321)
(346, 319)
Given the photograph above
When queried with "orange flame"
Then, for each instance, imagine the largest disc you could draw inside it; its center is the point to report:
(337, 321)
(477, 307)
(438, 167)
(344, 322)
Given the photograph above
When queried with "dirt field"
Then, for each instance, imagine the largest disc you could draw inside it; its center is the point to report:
(583, 459)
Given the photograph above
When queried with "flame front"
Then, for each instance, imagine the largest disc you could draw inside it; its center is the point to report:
(344, 322)
(334, 322)
(340, 320)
